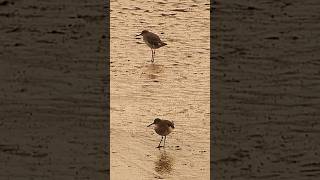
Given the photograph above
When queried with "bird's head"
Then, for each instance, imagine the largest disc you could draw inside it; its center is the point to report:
(143, 32)
(156, 121)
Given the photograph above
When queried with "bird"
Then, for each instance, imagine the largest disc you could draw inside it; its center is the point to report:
(153, 41)
(163, 128)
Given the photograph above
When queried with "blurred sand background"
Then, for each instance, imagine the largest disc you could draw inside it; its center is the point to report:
(266, 84)
(176, 87)
(52, 108)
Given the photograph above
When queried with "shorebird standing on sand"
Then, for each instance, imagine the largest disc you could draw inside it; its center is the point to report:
(153, 41)
(163, 128)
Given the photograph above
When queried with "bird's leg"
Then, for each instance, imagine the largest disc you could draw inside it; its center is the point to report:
(164, 144)
(160, 142)
(152, 60)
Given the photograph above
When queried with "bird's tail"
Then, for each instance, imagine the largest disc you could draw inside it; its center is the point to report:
(163, 44)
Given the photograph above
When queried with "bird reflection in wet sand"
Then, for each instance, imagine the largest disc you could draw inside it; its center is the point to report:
(153, 71)
(153, 41)
(163, 128)
(164, 165)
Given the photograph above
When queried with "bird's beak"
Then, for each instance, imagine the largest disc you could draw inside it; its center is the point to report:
(139, 34)
(150, 125)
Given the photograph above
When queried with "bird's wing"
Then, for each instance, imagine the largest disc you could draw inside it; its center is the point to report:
(153, 39)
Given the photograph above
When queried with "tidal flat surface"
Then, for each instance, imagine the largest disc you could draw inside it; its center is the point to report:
(176, 87)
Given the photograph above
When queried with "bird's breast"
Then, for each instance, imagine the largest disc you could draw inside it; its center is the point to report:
(163, 130)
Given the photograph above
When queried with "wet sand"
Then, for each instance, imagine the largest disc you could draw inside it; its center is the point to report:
(176, 87)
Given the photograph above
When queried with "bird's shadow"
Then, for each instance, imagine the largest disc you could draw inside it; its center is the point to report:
(165, 163)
